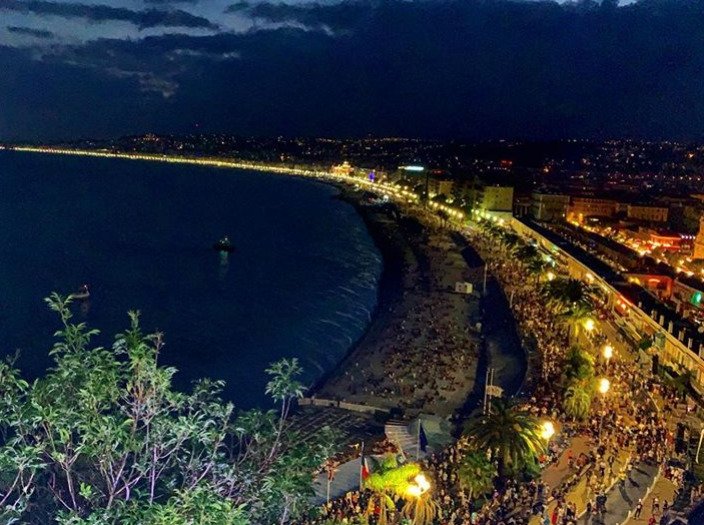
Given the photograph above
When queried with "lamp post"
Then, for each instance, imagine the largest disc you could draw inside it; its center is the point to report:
(608, 353)
(547, 430)
(604, 385)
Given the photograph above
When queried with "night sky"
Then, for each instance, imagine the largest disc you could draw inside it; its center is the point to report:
(470, 69)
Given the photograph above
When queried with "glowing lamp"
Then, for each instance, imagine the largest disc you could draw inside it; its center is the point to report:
(547, 430)
(604, 385)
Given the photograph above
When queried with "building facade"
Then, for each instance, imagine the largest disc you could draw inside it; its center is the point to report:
(582, 207)
(549, 207)
(440, 187)
(647, 213)
(496, 198)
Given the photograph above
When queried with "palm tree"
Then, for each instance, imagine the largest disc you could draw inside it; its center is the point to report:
(511, 433)
(389, 480)
(565, 292)
(421, 510)
(578, 400)
(510, 241)
(575, 317)
(476, 473)
(579, 365)
(527, 253)
(536, 266)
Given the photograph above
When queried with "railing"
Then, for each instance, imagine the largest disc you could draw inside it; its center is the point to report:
(354, 407)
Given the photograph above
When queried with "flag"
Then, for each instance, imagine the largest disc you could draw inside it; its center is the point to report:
(363, 466)
(422, 438)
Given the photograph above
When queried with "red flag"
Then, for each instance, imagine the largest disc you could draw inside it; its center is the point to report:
(364, 466)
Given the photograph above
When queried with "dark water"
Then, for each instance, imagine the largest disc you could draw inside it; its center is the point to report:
(301, 283)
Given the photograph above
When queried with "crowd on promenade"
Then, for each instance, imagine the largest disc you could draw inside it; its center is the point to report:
(624, 430)
(627, 420)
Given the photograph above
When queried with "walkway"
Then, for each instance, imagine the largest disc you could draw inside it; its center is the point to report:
(620, 500)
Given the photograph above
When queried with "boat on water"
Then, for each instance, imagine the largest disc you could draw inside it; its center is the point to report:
(224, 246)
(82, 294)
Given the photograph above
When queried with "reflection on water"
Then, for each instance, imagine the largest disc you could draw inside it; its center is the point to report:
(224, 265)
(141, 234)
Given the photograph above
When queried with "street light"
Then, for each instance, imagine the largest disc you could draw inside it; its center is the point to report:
(550, 276)
(608, 353)
(589, 324)
(547, 430)
(422, 482)
(604, 385)
(420, 486)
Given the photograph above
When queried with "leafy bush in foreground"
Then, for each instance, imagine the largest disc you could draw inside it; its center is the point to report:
(103, 438)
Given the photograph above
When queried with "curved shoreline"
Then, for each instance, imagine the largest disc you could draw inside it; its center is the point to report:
(388, 286)
(418, 354)
(392, 306)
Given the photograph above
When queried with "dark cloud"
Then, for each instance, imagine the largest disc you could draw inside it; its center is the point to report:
(104, 13)
(335, 16)
(30, 31)
(72, 101)
(169, 2)
(443, 68)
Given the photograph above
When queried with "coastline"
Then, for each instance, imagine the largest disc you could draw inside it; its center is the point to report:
(417, 310)
(418, 316)
(389, 284)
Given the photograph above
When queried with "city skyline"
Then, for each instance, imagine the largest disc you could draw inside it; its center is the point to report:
(435, 69)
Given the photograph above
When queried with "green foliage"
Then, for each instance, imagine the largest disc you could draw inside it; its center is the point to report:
(476, 473)
(200, 505)
(575, 315)
(393, 480)
(579, 365)
(527, 253)
(390, 480)
(510, 240)
(511, 433)
(564, 293)
(579, 382)
(578, 401)
(103, 438)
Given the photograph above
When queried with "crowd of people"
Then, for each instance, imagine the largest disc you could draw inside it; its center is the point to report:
(425, 355)
(628, 421)
(624, 430)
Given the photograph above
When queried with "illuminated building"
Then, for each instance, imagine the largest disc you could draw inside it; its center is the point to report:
(582, 207)
(496, 198)
(343, 169)
(647, 213)
(698, 252)
(440, 186)
(547, 207)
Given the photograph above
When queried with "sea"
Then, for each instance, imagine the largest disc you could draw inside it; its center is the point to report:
(302, 281)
